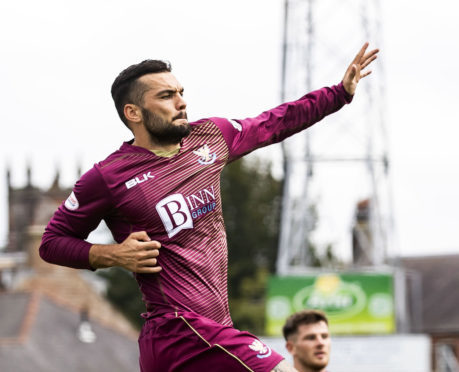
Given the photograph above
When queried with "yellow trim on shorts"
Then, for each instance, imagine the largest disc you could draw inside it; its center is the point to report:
(195, 331)
(221, 347)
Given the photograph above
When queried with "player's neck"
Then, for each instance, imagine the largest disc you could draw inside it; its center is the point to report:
(150, 144)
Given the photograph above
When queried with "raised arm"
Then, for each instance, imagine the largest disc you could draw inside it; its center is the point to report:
(246, 135)
(272, 126)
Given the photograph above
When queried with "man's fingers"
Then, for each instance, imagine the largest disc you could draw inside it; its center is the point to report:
(360, 54)
(370, 54)
(144, 241)
(368, 61)
(366, 73)
(148, 262)
(149, 270)
(151, 253)
(149, 266)
(153, 244)
(355, 70)
(140, 235)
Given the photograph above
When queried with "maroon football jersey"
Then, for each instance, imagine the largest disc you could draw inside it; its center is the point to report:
(176, 200)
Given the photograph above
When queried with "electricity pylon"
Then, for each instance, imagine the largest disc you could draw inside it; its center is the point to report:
(333, 166)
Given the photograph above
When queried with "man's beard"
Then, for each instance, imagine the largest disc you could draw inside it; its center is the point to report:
(165, 132)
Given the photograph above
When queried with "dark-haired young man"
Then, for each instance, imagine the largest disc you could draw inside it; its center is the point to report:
(159, 194)
(308, 340)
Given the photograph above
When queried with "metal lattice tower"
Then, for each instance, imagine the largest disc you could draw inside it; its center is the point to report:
(343, 160)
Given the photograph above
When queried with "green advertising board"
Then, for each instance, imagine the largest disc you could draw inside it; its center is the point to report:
(357, 303)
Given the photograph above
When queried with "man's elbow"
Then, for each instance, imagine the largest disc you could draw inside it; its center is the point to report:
(45, 248)
(44, 253)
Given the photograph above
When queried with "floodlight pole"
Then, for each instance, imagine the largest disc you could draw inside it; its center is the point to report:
(310, 54)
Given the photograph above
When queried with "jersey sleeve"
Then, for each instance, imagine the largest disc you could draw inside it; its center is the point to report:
(63, 242)
(272, 126)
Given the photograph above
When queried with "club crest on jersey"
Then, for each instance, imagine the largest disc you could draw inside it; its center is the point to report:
(262, 350)
(205, 157)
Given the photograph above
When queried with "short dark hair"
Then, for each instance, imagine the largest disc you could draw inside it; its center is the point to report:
(127, 89)
(302, 317)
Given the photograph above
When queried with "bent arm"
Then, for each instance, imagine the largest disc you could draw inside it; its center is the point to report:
(63, 242)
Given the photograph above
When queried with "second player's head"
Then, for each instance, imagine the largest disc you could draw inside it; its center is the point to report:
(308, 340)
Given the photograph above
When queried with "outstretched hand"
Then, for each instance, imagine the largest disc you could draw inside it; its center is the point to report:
(355, 70)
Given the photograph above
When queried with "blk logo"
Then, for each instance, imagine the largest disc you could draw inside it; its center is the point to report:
(175, 214)
(138, 180)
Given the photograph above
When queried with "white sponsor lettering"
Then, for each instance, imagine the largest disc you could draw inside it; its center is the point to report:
(175, 214)
(138, 180)
(72, 202)
(203, 197)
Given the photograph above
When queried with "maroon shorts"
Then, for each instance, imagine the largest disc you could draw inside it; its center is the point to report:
(187, 342)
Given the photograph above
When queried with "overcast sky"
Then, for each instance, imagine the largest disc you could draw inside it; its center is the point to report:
(58, 60)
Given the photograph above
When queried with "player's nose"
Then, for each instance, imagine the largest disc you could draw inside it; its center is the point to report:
(180, 103)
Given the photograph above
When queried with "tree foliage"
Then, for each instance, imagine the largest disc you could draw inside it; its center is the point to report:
(251, 208)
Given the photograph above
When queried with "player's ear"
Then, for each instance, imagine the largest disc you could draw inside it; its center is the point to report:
(132, 113)
(289, 346)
